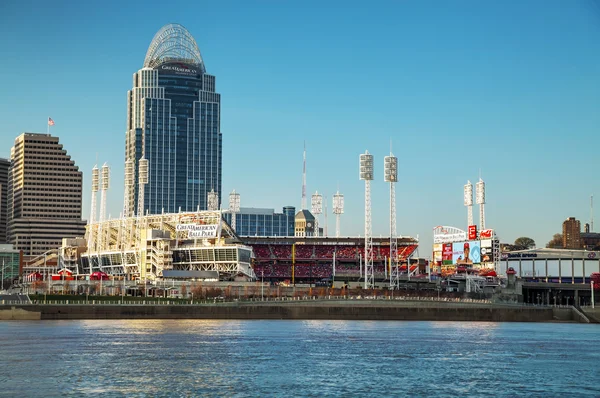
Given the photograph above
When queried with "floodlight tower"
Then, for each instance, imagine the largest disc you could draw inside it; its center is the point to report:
(480, 194)
(213, 200)
(338, 210)
(316, 209)
(95, 187)
(234, 206)
(468, 191)
(390, 174)
(105, 175)
(366, 174)
(129, 187)
(142, 181)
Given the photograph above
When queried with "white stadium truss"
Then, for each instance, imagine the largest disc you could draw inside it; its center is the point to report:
(143, 247)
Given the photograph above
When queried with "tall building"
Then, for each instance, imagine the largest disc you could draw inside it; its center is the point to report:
(305, 224)
(252, 221)
(571, 233)
(4, 165)
(44, 196)
(174, 122)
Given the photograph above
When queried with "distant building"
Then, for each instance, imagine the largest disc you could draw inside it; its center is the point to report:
(252, 221)
(10, 265)
(590, 240)
(305, 224)
(571, 233)
(44, 196)
(4, 165)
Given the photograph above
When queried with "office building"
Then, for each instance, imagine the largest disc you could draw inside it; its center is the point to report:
(4, 165)
(44, 196)
(571, 233)
(252, 221)
(174, 122)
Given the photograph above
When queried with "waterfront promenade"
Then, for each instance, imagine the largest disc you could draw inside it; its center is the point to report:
(334, 308)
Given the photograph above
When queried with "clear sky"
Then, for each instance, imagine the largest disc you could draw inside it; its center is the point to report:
(511, 88)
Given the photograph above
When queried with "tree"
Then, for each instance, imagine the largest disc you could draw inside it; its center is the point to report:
(523, 243)
(555, 242)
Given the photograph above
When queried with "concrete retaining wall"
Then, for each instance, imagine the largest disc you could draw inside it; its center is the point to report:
(350, 311)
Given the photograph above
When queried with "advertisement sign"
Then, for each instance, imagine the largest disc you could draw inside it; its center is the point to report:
(437, 253)
(487, 251)
(200, 231)
(447, 254)
(486, 234)
(178, 68)
(466, 253)
(472, 232)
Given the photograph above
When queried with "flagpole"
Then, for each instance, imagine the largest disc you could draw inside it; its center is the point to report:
(48, 127)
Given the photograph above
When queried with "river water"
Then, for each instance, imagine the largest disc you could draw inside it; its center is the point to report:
(298, 358)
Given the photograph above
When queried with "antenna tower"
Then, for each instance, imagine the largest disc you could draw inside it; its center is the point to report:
(304, 179)
(366, 174)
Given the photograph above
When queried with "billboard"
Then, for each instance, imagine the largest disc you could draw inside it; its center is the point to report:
(195, 231)
(447, 254)
(466, 253)
(472, 232)
(487, 251)
(437, 253)
(486, 234)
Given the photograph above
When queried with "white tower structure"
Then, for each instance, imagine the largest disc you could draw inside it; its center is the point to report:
(390, 175)
(105, 176)
(129, 187)
(468, 191)
(480, 194)
(304, 179)
(366, 174)
(142, 181)
(338, 210)
(316, 209)
(212, 200)
(325, 210)
(234, 206)
(93, 211)
(105, 184)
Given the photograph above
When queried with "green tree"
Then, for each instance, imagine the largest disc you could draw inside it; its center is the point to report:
(555, 242)
(523, 243)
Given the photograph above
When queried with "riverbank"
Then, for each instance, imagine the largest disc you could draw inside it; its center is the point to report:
(300, 310)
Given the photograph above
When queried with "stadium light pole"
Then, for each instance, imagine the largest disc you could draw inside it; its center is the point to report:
(316, 208)
(212, 200)
(366, 174)
(95, 188)
(234, 207)
(390, 175)
(338, 210)
(480, 187)
(468, 200)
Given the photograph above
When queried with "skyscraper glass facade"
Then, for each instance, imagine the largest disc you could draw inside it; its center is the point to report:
(263, 222)
(174, 119)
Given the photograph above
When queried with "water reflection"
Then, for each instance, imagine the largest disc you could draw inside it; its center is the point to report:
(299, 358)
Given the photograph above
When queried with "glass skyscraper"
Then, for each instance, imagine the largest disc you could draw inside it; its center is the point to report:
(173, 121)
(263, 222)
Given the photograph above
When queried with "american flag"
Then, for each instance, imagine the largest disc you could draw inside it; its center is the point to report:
(50, 122)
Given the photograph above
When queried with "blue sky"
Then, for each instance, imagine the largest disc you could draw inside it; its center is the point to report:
(511, 88)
